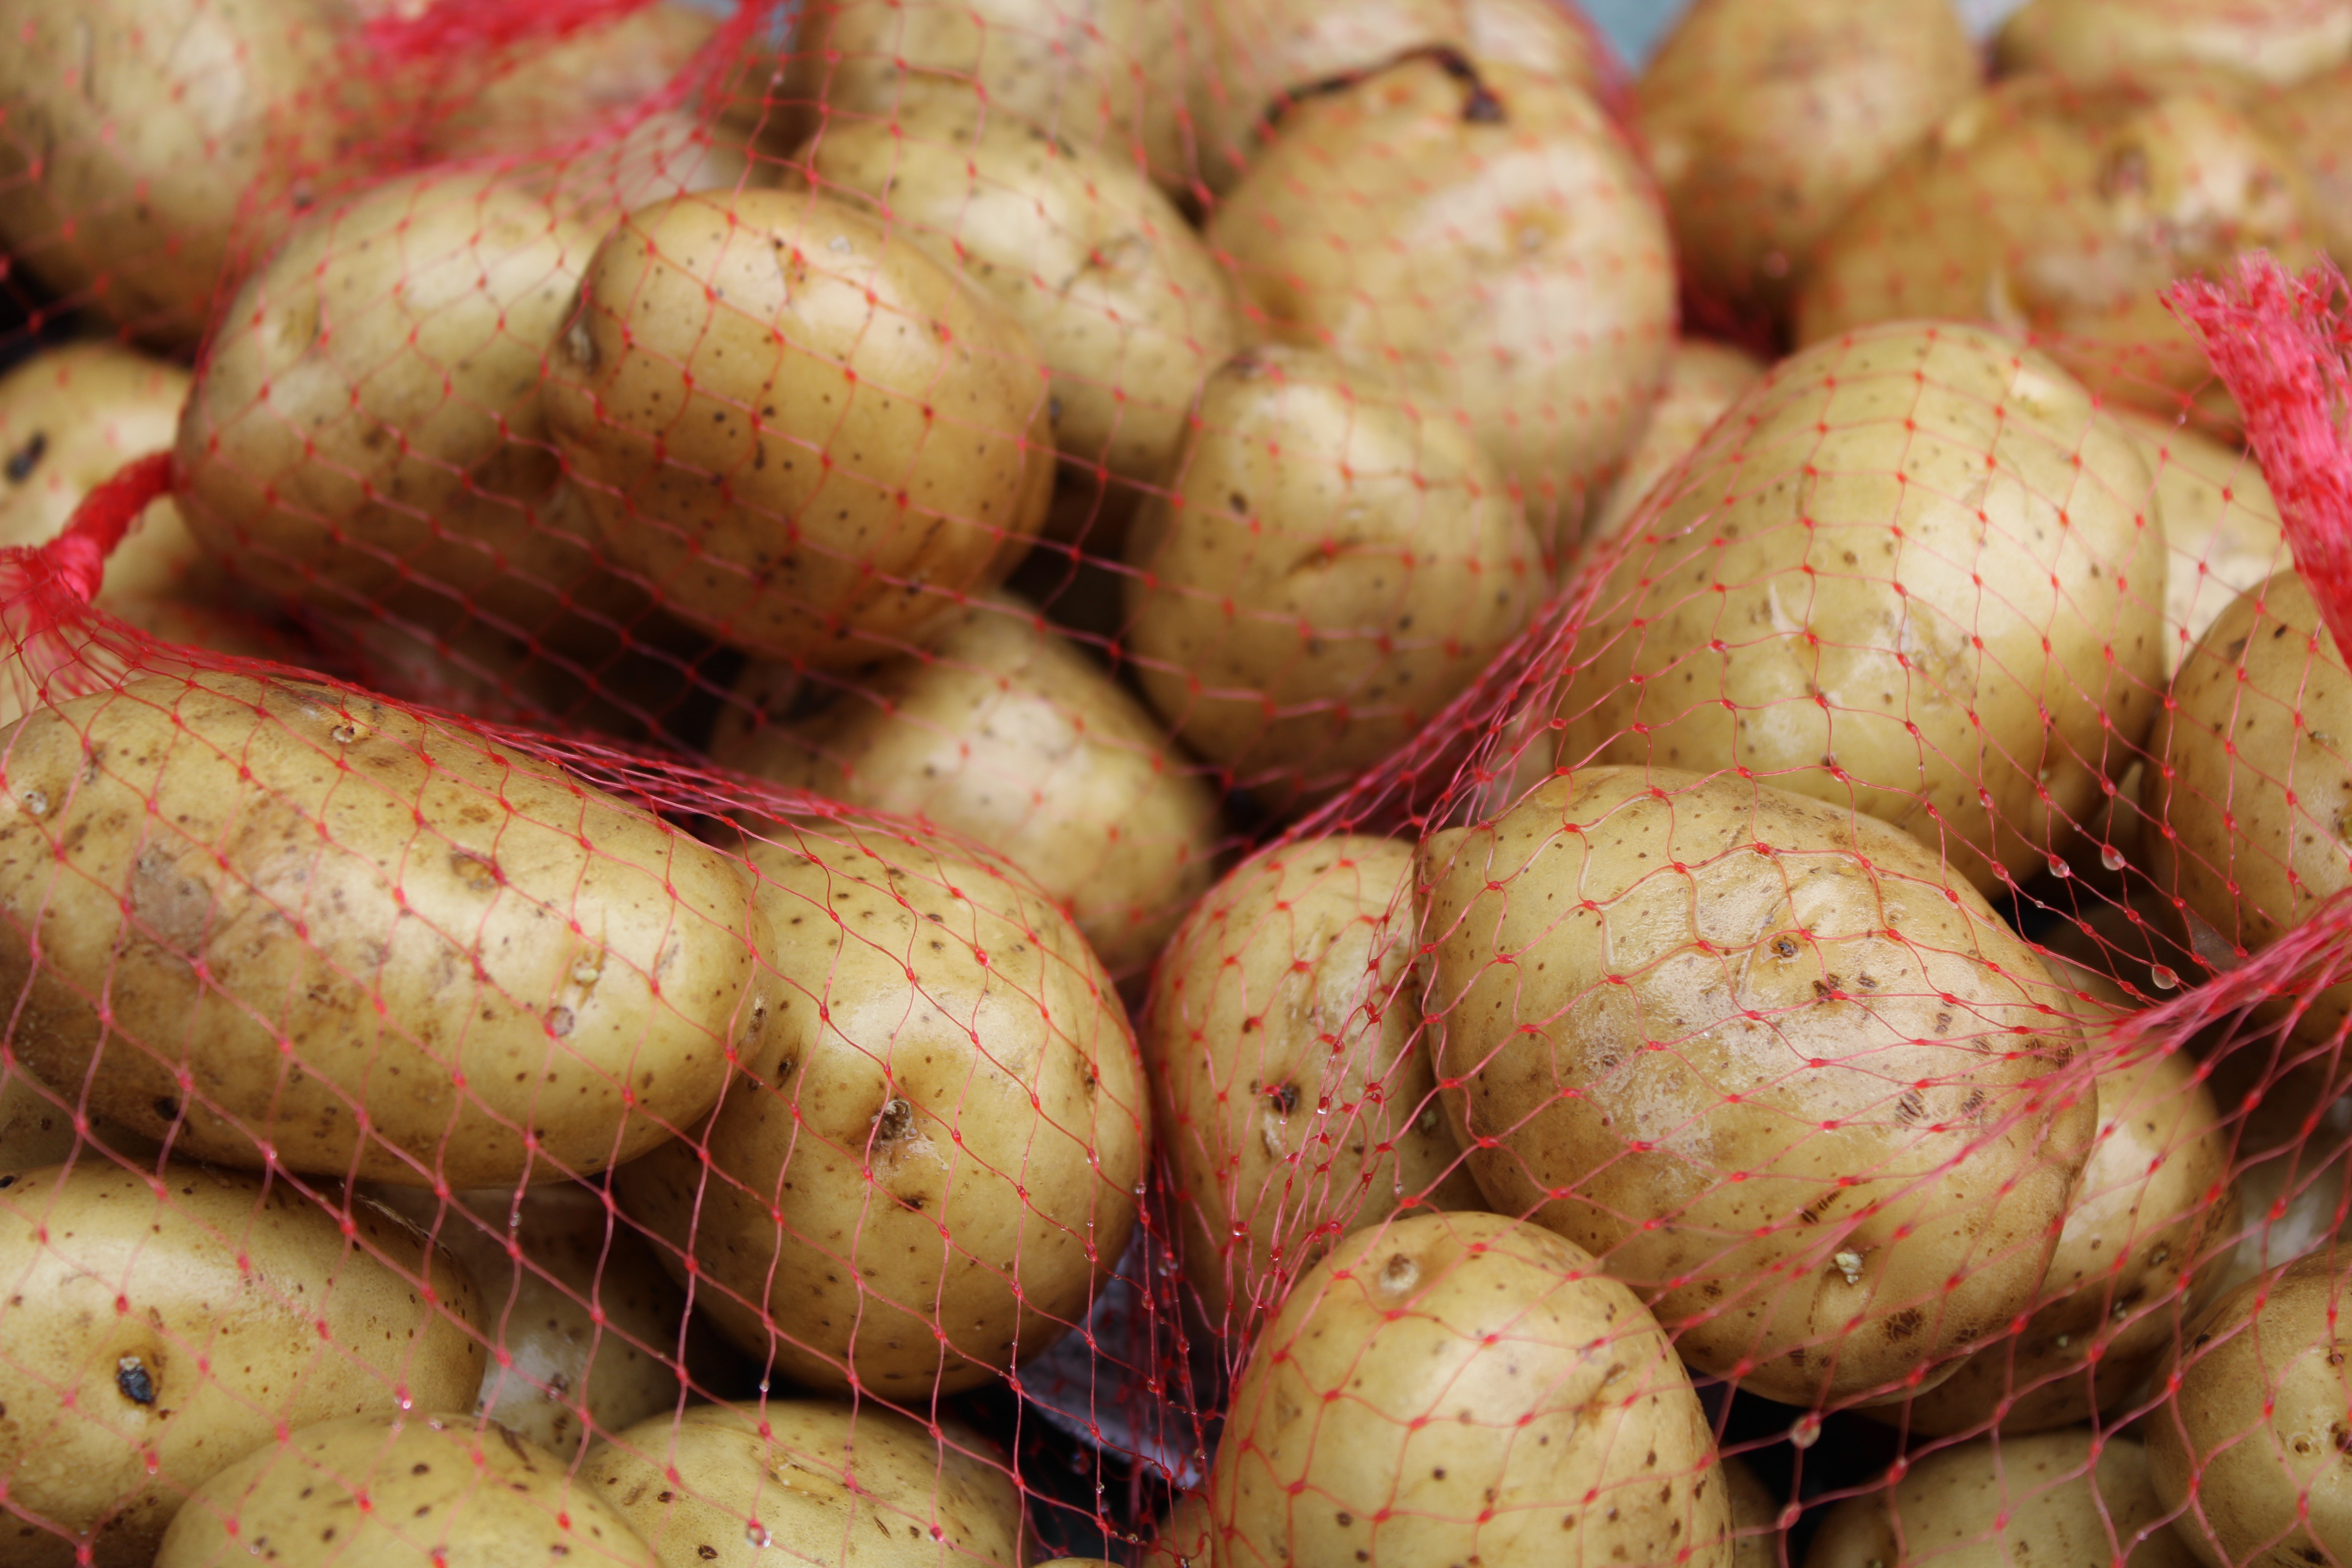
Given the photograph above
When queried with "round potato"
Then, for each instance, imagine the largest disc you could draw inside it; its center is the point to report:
(285, 924)
(2221, 522)
(2312, 123)
(1283, 1045)
(1912, 574)
(2065, 211)
(1484, 234)
(2248, 1446)
(1754, 1518)
(2062, 1499)
(1008, 735)
(813, 438)
(1648, 987)
(931, 1159)
(1461, 1388)
(2273, 40)
(1768, 119)
(809, 1480)
(1123, 302)
(1703, 381)
(1327, 567)
(422, 1492)
(161, 1328)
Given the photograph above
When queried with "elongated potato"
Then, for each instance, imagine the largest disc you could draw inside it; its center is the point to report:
(1913, 573)
(424, 957)
(929, 1162)
(2276, 41)
(812, 438)
(1293, 1091)
(159, 1328)
(1453, 1388)
(1701, 1028)
(1703, 381)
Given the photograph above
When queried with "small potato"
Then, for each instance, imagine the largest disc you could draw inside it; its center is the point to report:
(1465, 1388)
(1008, 735)
(1293, 1092)
(1125, 304)
(2063, 1499)
(2312, 122)
(809, 1480)
(1819, 603)
(1754, 1518)
(2276, 41)
(1329, 567)
(2220, 523)
(1487, 236)
(1709, 981)
(1703, 381)
(424, 957)
(1185, 1536)
(812, 438)
(160, 1329)
(930, 1160)
(2065, 211)
(422, 1492)
(1768, 119)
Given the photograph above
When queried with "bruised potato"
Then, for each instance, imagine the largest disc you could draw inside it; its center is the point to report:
(1647, 988)
(1007, 734)
(1703, 381)
(2275, 41)
(160, 1328)
(929, 1162)
(1463, 1387)
(424, 957)
(1292, 1089)
(2220, 524)
(812, 438)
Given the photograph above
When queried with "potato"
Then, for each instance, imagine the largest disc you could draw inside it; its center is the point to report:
(2063, 1499)
(2245, 814)
(161, 1329)
(1483, 234)
(36, 1128)
(2249, 1443)
(2221, 522)
(1186, 1536)
(1125, 304)
(153, 146)
(423, 1489)
(1647, 987)
(1009, 735)
(2312, 122)
(216, 627)
(1461, 1388)
(2273, 40)
(424, 957)
(930, 1160)
(1818, 603)
(814, 441)
(1768, 119)
(1703, 379)
(810, 1481)
(2065, 211)
(1754, 1518)
(1327, 568)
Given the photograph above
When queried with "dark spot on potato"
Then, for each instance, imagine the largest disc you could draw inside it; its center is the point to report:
(27, 457)
(167, 1107)
(131, 1375)
(1902, 1325)
(1285, 1096)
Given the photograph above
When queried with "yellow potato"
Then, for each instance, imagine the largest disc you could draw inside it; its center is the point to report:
(423, 1491)
(929, 1162)
(812, 438)
(2220, 521)
(159, 1330)
(2311, 121)
(425, 957)
(1329, 565)
(2273, 40)
(1485, 235)
(1703, 381)
(1186, 1536)
(37, 1127)
(2065, 211)
(1293, 1092)
(1126, 305)
(1009, 735)
(1461, 1388)
(1650, 987)
(1768, 119)
(809, 1480)
(1754, 1518)
(1913, 575)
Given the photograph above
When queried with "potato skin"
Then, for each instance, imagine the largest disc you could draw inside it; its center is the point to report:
(1293, 1092)
(2275, 41)
(2312, 122)
(1781, 968)
(340, 868)
(247, 1307)
(1703, 381)
(829, 1481)
(946, 1103)
(438, 1488)
(2220, 524)
(1813, 595)
(1400, 1402)
(1494, 243)
(1755, 1517)
(812, 438)
(1007, 734)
